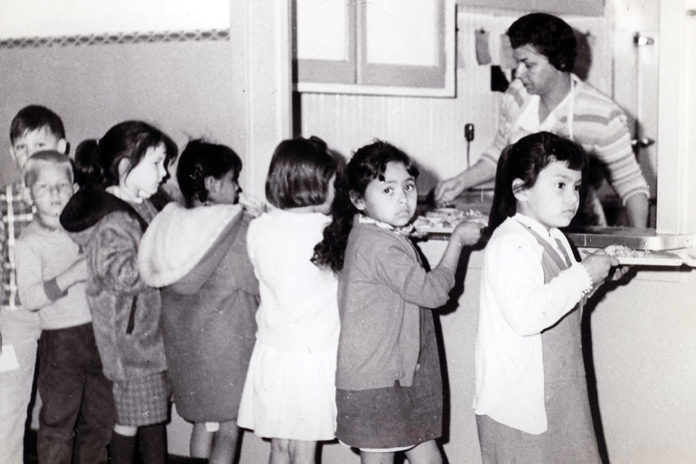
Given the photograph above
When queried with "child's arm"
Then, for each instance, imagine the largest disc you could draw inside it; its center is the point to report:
(417, 286)
(466, 233)
(34, 291)
(514, 278)
(114, 254)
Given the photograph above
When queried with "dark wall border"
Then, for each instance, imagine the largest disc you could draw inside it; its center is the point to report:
(116, 38)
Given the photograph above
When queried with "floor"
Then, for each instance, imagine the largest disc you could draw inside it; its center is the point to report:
(30, 451)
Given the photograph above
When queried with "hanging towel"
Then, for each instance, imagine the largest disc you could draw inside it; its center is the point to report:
(483, 53)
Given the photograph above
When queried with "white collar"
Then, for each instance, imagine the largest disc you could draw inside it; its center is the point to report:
(404, 230)
(549, 235)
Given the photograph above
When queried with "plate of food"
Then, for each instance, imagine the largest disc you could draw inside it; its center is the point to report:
(444, 220)
(632, 257)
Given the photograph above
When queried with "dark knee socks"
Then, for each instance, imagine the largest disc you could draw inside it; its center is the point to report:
(152, 444)
(121, 449)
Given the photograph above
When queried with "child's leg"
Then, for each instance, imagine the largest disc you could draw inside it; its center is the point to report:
(152, 443)
(425, 453)
(367, 457)
(201, 441)
(15, 395)
(302, 451)
(97, 414)
(280, 451)
(122, 446)
(285, 451)
(225, 444)
(60, 384)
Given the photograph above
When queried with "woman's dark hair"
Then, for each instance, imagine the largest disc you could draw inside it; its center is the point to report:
(201, 159)
(366, 165)
(549, 35)
(524, 160)
(96, 162)
(299, 173)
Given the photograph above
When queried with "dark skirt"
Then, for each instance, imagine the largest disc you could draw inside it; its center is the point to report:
(396, 416)
(143, 400)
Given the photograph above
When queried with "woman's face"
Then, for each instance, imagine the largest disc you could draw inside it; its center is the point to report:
(535, 71)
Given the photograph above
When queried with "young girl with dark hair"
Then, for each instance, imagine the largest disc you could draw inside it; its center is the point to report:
(531, 399)
(289, 395)
(198, 254)
(107, 217)
(388, 381)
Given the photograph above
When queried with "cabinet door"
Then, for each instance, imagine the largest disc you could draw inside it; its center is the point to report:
(398, 47)
(402, 43)
(325, 41)
(579, 7)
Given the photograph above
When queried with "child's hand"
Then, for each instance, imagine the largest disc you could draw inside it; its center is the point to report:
(252, 205)
(467, 232)
(598, 265)
(77, 272)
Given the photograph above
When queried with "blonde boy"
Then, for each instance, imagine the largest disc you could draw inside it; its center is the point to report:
(77, 414)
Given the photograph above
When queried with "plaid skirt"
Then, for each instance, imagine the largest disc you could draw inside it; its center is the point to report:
(143, 400)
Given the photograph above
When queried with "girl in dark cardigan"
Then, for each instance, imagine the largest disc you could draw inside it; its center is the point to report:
(198, 254)
(388, 381)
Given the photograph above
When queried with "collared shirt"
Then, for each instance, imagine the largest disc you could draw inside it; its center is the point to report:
(16, 212)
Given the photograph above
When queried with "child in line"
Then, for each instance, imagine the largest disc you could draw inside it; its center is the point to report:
(198, 253)
(77, 411)
(531, 399)
(388, 381)
(107, 217)
(289, 394)
(32, 129)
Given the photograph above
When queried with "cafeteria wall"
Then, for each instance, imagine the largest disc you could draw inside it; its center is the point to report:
(182, 70)
(186, 89)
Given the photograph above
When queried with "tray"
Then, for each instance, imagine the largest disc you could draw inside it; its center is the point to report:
(652, 258)
(638, 239)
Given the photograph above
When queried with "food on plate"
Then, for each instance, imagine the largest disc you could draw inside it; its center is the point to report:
(444, 220)
(621, 251)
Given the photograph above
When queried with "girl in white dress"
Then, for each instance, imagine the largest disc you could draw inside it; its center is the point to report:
(289, 394)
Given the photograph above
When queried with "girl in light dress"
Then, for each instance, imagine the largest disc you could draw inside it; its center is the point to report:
(289, 394)
(531, 400)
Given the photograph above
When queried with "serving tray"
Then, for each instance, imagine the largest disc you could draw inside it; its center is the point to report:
(638, 239)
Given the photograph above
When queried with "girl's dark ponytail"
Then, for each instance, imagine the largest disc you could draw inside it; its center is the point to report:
(504, 202)
(88, 170)
(330, 252)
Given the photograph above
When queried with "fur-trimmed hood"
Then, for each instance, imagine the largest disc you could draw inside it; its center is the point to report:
(179, 238)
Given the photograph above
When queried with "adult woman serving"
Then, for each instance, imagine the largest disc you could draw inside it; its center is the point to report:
(547, 96)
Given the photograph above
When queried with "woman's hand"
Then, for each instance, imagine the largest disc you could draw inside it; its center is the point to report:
(447, 190)
(598, 265)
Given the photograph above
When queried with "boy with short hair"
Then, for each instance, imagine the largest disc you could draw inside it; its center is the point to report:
(33, 128)
(51, 274)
